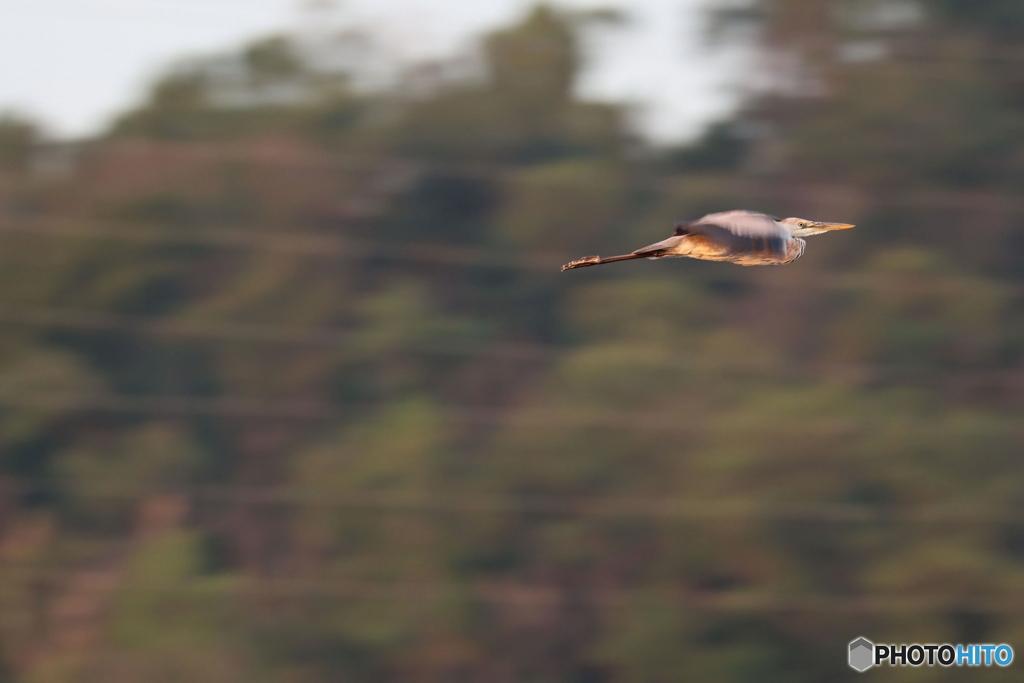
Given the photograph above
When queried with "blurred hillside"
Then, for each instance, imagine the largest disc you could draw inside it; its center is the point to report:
(292, 389)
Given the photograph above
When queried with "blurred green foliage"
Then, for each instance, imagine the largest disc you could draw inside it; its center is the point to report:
(17, 137)
(291, 389)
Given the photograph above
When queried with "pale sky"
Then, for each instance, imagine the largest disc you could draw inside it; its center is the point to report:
(73, 64)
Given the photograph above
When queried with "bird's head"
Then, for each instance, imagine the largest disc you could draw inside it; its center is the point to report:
(801, 227)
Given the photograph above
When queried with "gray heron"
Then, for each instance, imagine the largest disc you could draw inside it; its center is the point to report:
(746, 238)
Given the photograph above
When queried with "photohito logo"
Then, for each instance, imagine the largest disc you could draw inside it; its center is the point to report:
(863, 654)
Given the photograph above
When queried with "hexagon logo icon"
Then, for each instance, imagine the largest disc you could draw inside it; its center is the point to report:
(862, 654)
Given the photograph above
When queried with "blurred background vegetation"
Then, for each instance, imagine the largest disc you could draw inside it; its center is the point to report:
(292, 390)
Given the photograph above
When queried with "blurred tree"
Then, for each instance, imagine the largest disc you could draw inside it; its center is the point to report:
(273, 59)
(525, 112)
(1001, 19)
(18, 136)
(533, 65)
(356, 434)
(560, 206)
(720, 148)
(173, 112)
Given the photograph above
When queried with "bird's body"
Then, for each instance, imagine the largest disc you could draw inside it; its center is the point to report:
(745, 238)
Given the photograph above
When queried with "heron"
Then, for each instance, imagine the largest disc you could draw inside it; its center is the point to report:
(746, 238)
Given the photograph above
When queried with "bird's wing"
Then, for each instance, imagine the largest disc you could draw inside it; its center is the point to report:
(742, 231)
(738, 231)
(744, 224)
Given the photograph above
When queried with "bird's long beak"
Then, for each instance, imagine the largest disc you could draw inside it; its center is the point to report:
(833, 226)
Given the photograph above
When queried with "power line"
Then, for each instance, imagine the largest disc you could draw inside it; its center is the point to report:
(322, 246)
(540, 595)
(579, 597)
(746, 602)
(184, 329)
(395, 173)
(70, 401)
(226, 331)
(175, 13)
(302, 410)
(456, 502)
(291, 243)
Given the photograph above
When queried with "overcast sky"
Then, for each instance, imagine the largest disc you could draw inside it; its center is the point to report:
(72, 64)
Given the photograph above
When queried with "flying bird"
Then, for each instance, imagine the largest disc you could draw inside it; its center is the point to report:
(746, 238)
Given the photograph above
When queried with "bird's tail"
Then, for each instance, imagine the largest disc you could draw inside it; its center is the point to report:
(597, 260)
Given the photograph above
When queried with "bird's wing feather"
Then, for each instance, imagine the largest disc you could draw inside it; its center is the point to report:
(736, 231)
(741, 231)
(745, 224)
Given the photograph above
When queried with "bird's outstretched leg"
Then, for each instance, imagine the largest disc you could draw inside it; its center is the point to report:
(597, 260)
